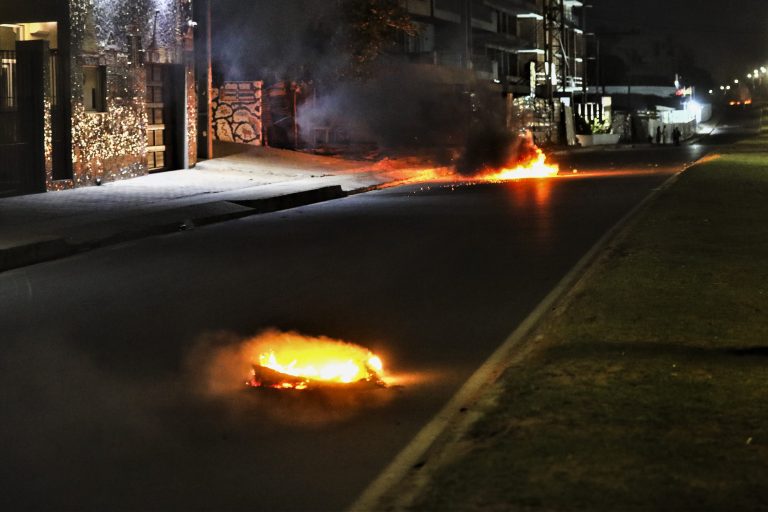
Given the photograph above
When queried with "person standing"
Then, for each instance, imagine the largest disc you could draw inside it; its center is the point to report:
(658, 134)
(676, 135)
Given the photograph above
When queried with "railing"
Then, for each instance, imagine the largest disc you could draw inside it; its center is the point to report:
(8, 91)
(8, 79)
(53, 61)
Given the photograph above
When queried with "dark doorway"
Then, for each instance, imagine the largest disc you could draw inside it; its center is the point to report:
(166, 114)
(22, 118)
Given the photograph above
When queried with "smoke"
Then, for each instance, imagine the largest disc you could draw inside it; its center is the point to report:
(401, 108)
(272, 41)
(433, 111)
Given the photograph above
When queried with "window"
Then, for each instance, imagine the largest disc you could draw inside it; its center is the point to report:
(95, 88)
(506, 23)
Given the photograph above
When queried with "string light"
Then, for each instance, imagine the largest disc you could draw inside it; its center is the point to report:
(112, 145)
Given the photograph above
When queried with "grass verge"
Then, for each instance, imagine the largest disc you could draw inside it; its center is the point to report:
(647, 388)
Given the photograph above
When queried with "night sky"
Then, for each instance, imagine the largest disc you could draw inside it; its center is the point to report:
(728, 38)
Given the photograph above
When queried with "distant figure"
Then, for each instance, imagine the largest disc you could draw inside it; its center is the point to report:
(658, 135)
(676, 135)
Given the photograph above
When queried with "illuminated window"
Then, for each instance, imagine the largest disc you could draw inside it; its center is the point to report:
(94, 88)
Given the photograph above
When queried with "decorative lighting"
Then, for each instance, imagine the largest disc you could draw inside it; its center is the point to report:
(112, 145)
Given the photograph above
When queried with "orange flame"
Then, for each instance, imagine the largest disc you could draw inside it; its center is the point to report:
(535, 167)
(529, 162)
(293, 361)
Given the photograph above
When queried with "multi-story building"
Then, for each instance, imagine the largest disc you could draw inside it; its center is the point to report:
(94, 91)
(509, 43)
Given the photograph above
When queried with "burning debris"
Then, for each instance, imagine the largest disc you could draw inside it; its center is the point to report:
(288, 360)
(505, 159)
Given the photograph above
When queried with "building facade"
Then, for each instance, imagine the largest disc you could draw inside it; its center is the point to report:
(509, 43)
(93, 91)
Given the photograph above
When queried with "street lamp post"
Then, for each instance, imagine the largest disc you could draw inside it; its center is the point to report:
(203, 73)
(585, 57)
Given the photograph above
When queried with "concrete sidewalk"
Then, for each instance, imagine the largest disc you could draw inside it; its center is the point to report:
(244, 181)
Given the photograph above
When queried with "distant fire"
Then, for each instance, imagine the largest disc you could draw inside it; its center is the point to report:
(288, 360)
(534, 167)
(525, 160)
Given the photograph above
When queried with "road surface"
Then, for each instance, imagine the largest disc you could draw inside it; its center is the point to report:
(112, 401)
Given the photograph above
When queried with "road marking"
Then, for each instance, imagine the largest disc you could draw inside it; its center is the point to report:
(415, 456)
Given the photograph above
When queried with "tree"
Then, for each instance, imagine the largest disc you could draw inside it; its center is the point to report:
(370, 27)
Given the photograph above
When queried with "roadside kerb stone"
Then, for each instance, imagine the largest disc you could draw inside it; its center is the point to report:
(162, 223)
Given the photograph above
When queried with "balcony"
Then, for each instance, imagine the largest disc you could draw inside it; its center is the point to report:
(514, 6)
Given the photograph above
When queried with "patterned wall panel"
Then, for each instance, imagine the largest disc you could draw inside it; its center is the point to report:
(237, 112)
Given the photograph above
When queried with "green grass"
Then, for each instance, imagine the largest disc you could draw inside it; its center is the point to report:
(648, 388)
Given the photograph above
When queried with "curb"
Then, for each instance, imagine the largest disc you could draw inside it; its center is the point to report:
(411, 465)
(49, 250)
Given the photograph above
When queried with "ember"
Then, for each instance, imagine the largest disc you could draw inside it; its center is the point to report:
(293, 361)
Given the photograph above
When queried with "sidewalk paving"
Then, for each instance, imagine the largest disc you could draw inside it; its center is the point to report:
(41, 227)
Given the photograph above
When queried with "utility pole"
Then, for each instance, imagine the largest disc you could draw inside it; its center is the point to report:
(585, 57)
(555, 53)
(204, 78)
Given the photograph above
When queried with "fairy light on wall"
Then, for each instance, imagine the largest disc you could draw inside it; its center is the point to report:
(112, 145)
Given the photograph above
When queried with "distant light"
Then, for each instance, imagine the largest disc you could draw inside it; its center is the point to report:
(722, 87)
(727, 87)
(756, 72)
(736, 81)
(749, 75)
(762, 69)
(694, 107)
(496, 81)
(711, 91)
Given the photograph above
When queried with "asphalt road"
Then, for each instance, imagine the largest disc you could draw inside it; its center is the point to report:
(106, 360)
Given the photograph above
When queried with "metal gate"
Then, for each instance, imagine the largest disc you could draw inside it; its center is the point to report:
(156, 119)
(22, 123)
(166, 117)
